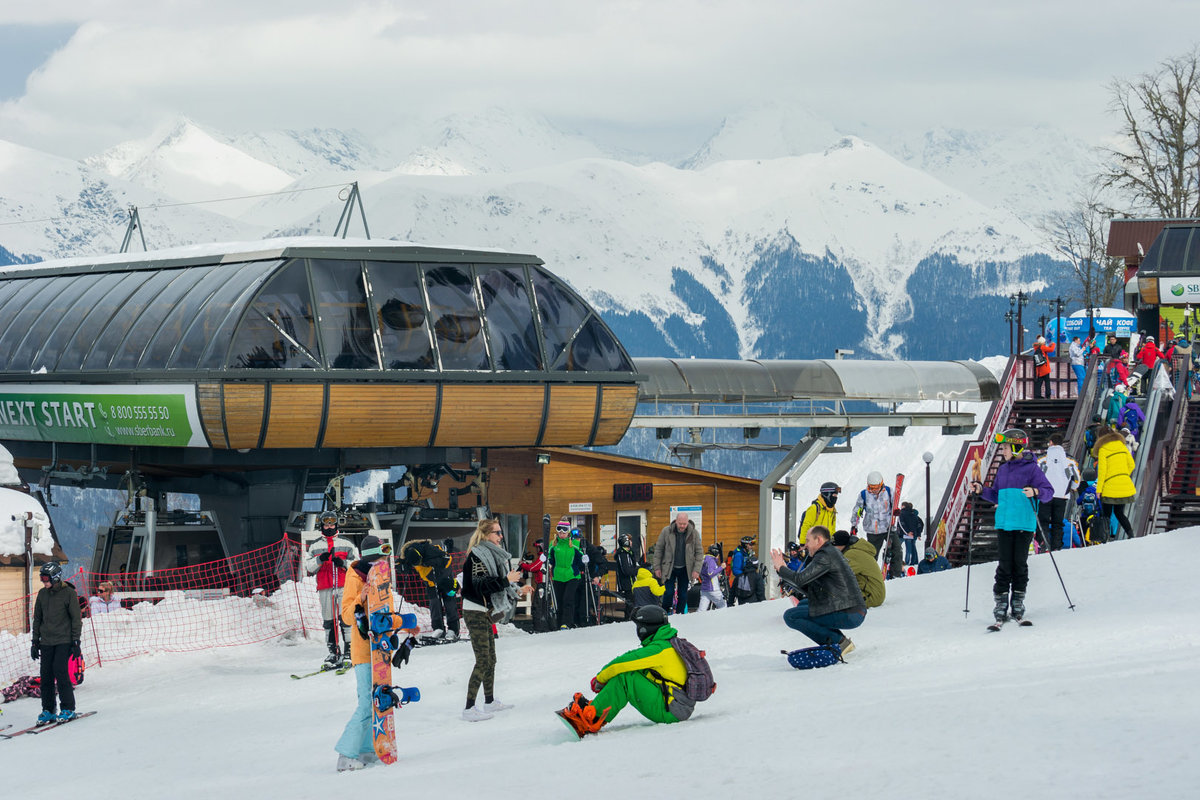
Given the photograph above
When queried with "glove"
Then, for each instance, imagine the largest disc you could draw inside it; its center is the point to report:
(76, 650)
(323, 557)
(586, 559)
(34, 651)
(360, 621)
(853, 531)
(338, 563)
(597, 684)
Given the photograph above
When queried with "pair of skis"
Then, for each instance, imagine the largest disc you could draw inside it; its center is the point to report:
(996, 626)
(888, 555)
(342, 670)
(35, 729)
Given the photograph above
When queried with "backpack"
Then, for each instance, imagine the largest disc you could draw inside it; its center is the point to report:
(823, 655)
(699, 685)
(1039, 357)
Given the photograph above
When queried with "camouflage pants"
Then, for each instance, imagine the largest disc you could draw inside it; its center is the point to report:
(483, 642)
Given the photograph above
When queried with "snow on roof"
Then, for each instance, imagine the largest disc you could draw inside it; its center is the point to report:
(13, 507)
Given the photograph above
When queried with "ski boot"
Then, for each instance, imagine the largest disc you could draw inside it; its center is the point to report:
(66, 715)
(1018, 606)
(333, 660)
(1000, 612)
(46, 717)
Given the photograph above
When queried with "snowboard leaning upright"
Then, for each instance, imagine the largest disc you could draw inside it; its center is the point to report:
(385, 628)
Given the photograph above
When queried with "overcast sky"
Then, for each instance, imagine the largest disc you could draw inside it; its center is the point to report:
(82, 75)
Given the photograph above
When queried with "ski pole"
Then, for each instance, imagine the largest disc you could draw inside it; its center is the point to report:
(970, 547)
(1049, 550)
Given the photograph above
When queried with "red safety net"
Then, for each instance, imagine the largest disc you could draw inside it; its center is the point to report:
(257, 596)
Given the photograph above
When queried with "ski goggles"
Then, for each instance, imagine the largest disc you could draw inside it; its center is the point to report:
(562, 528)
(1017, 443)
(384, 549)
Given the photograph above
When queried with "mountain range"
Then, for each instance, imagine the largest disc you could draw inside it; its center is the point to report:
(782, 236)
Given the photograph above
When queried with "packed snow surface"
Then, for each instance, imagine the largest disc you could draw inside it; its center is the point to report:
(1097, 702)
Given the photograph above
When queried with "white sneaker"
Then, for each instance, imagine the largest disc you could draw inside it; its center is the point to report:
(438, 634)
(349, 764)
(473, 714)
(494, 706)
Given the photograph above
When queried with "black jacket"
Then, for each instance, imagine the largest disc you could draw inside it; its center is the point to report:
(477, 585)
(827, 582)
(626, 570)
(909, 522)
(56, 617)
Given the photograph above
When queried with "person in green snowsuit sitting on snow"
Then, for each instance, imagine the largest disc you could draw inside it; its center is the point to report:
(644, 677)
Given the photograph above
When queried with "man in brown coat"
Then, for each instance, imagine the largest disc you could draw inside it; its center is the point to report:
(678, 555)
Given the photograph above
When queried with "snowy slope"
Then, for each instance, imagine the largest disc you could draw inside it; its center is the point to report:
(767, 131)
(312, 152)
(928, 706)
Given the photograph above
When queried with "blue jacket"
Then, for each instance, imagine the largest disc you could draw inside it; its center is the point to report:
(937, 565)
(1014, 511)
(1132, 417)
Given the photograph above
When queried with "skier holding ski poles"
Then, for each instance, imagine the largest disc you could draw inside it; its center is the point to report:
(327, 558)
(1018, 480)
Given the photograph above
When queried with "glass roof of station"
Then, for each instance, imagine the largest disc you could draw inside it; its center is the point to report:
(330, 311)
(1175, 249)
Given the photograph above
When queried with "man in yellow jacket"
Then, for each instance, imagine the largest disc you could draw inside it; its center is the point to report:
(822, 511)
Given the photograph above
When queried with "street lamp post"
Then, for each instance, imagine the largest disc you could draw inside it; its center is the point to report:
(1021, 300)
(928, 459)
(1009, 316)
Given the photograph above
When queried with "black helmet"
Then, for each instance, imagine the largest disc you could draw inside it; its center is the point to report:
(625, 540)
(794, 546)
(1015, 438)
(747, 541)
(714, 550)
(648, 620)
(52, 570)
(829, 492)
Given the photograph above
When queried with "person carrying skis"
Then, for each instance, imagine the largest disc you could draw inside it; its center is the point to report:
(821, 511)
(1018, 487)
(677, 557)
(533, 566)
(57, 626)
(909, 525)
(355, 743)
(327, 558)
(566, 569)
(873, 512)
(646, 677)
(1063, 474)
(710, 589)
(432, 565)
(832, 601)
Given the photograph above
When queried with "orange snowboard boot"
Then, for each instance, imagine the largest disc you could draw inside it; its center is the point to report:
(580, 716)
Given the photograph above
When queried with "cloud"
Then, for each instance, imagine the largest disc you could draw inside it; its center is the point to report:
(667, 64)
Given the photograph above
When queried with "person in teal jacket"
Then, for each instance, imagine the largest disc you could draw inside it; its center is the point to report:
(645, 677)
(1019, 486)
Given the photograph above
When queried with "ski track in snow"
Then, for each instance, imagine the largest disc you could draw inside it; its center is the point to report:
(928, 706)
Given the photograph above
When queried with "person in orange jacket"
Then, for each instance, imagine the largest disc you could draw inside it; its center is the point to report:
(1042, 352)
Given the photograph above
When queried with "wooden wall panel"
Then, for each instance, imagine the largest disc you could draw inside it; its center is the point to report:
(209, 400)
(294, 418)
(244, 406)
(616, 411)
(489, 416)
(572, 411)
(380, 416)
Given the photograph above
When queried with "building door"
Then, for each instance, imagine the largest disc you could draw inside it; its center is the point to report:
(633, 523)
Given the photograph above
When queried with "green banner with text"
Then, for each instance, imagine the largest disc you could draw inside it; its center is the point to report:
(153, 416)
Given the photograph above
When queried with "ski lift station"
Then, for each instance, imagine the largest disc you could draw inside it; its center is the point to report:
(257, 375)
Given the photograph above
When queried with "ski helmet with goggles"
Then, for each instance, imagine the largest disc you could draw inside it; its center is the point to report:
(714, 550)
(1015, 438)
(625, 540)
(829, 492)
(648, 620)
(874, 479)
(328, 518)
(52, 570)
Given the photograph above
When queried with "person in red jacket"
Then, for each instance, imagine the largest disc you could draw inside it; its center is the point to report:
(1149, 354)
(1042, 352)
(327, 558)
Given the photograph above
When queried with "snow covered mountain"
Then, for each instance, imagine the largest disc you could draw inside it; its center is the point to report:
(782, 237)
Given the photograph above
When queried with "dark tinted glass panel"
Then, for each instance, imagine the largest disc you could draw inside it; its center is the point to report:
(65, 328)
(562, 314)
(345, 318)
(594, 348)
(182, 314)
(7, 290)
(509, 316)
(278, 331)
(22, 316)
(97, 317)
(207, 339)
(403, 319)
(1174, 248)
(123, 318)
(53, 313)
(129, 353)
(455, 314)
